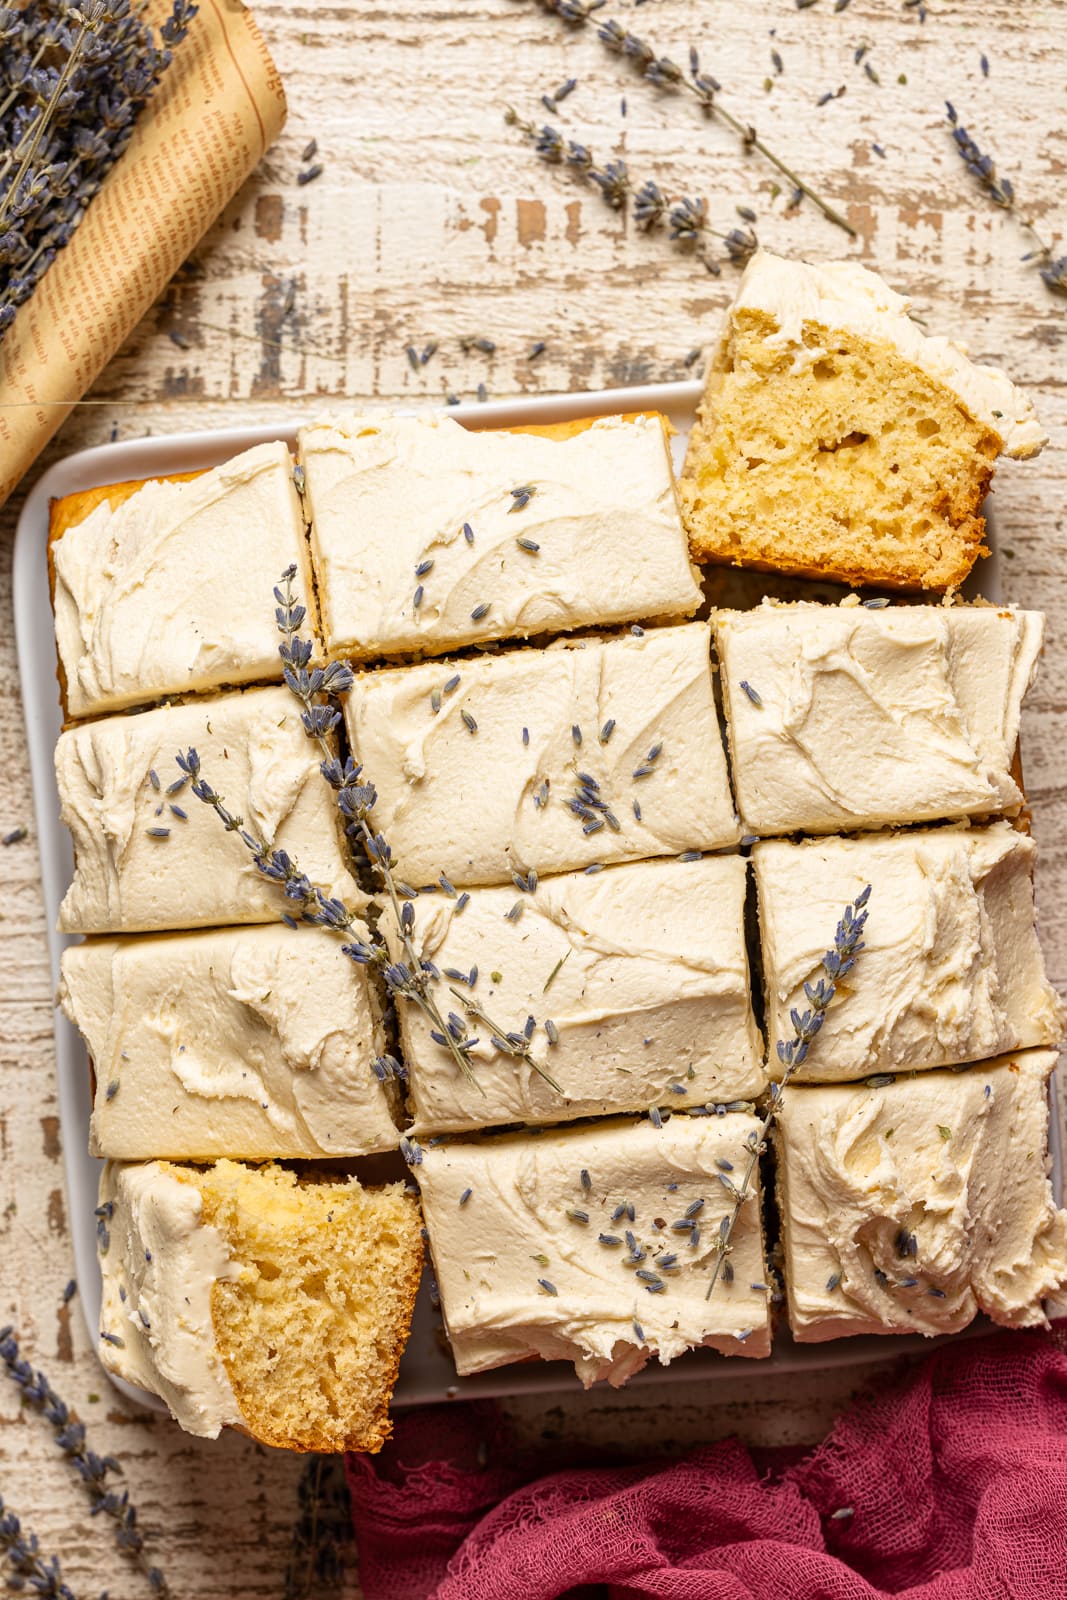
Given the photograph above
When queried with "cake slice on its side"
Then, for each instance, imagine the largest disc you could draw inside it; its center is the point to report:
(246, 1297)
(427, 535)
(843, 717)
(149, 857)
(951, 969)
(596, 1245)
(481, 766)
(910, 1206)
(636, 979)
(165, 587)
(250, 1042)
(837, 440)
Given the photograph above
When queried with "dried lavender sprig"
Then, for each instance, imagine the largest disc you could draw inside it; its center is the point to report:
(792, 1053)
(29, 1569)
(980, 166)
(1001, 191)
(322, 1527)
(663, 73)
(93, 1470)
(509, 1042)
(687, 217)
(76, 78)
(409, 979)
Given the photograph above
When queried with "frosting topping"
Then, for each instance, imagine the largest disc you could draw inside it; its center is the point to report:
(866, 718)
(484, 786)
(521, 1273)
(159, 1267)
(154, 596)
(909, 1208)
(254, 752)
(951, 969)
(641, 970)
(601, 536)
(249, 1042)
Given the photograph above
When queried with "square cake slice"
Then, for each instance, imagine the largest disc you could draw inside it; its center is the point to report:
(149, 857)
(951, 968)
(247, 1297)
(635, 978)
(844, 717)
(250, 1042)
(837, 440)
(427, 535)
(911, 1206)
(596, 1245)
(165, 587)
(599, 751)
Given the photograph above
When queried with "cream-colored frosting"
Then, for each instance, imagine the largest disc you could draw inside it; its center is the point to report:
(389, 494)
(170, 591)
(255, 753)
(250, 1042)
(464, 802)
(641, 969)
(951, 969)
(868, 718)
(160, 1262)
(831, 295)
(955, 1162)
(513, 1229)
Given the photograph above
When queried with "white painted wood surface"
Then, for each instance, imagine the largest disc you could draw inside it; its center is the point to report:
(433, 221)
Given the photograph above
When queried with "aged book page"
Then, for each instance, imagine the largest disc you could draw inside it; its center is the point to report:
(218, 107)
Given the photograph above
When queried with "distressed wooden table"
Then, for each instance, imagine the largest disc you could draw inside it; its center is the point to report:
(433, 221)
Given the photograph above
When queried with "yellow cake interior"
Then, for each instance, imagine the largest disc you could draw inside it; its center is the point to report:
(312, 1330)
(855, 464)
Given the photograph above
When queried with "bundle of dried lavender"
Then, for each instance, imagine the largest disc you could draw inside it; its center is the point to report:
(72, 82)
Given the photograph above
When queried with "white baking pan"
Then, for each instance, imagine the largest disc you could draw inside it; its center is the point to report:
(426, 1373)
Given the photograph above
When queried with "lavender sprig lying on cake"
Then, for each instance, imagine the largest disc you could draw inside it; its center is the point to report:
(72, 82)
(356, 801)
(792, 1053)
(411, 979)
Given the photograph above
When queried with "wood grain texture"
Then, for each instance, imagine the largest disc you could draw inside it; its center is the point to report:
(433, 221)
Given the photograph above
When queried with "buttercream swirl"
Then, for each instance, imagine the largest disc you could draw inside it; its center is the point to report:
(154, 596)
(859, 718)
(913, 1206)
(255, 753)
(245, 1042)
(951, 969)
(390, 496)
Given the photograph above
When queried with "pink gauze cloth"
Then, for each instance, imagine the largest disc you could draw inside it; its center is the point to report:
(950, 1484)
